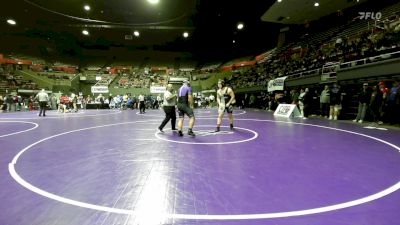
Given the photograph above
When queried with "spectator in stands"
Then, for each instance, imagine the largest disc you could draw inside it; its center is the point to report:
(207, 102)
(109, 98)
(100, 98)
(83, 101)
(88, 99)
(1, 104)
(252, 101)
(111, 104)
(385, 93)
(338, 42)
(375, 104)
(363, 102)
(31, 103)
(169, 108)
(307, 101)
(18, 102)
(74, 100)
(394, 103)
(117, 101)
(134, 102)
(212, 99)
(157, 102)
(335, 102)
(130, 102)
(325, 101)
(64, 102)
(280, 97)
(294, 97)
(124, 102)
(43, 98)
(245, 101)
(301, 101)
(53, 102)
(9, 102)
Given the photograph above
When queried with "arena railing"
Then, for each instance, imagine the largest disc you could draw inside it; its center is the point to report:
(305, 73)
(367, 60)
(344, 65)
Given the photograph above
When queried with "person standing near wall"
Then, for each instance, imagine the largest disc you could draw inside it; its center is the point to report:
(307, 102)
(363, 102)
(325, 101)
(335, 102)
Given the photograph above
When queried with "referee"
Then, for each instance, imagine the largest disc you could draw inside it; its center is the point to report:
(43, 98)
(169, 108)
(185, 106)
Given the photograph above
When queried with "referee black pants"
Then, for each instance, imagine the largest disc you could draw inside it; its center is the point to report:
(170, 114)
(142, 107)
(43, 106)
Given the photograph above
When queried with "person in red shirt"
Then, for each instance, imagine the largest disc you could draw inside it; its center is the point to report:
(64, 101)
(383, 107)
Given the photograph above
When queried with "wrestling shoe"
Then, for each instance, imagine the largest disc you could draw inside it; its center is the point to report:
(190, 133)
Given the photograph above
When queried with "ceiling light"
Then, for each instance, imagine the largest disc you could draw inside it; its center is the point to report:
(153, 1)
(316, 4)
(136, 33)
(234, 41)
(87, 7)
(12, 22)
(185, 34)
(240, 26)
(279, 0)
(85, 32)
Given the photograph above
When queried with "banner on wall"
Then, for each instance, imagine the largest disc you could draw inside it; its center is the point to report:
(157, 90)
(99, 89)
(277, 84)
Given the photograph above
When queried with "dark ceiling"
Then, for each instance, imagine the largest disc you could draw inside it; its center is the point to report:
(55, 27)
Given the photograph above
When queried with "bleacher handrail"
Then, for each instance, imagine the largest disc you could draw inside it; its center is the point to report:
(342, 65)
(305, 73)
(364, 60)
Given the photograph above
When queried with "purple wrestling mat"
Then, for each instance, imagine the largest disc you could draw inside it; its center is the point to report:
(111, 167)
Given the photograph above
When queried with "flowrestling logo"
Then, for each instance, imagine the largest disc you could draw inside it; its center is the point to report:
(370, 15)
(283, 110)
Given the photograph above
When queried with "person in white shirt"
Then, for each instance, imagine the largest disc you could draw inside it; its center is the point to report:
(158, 102)
(212, 99)
(124, 101)
(169, 108)
(142, 107)
(43, 98)
(74, 100)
